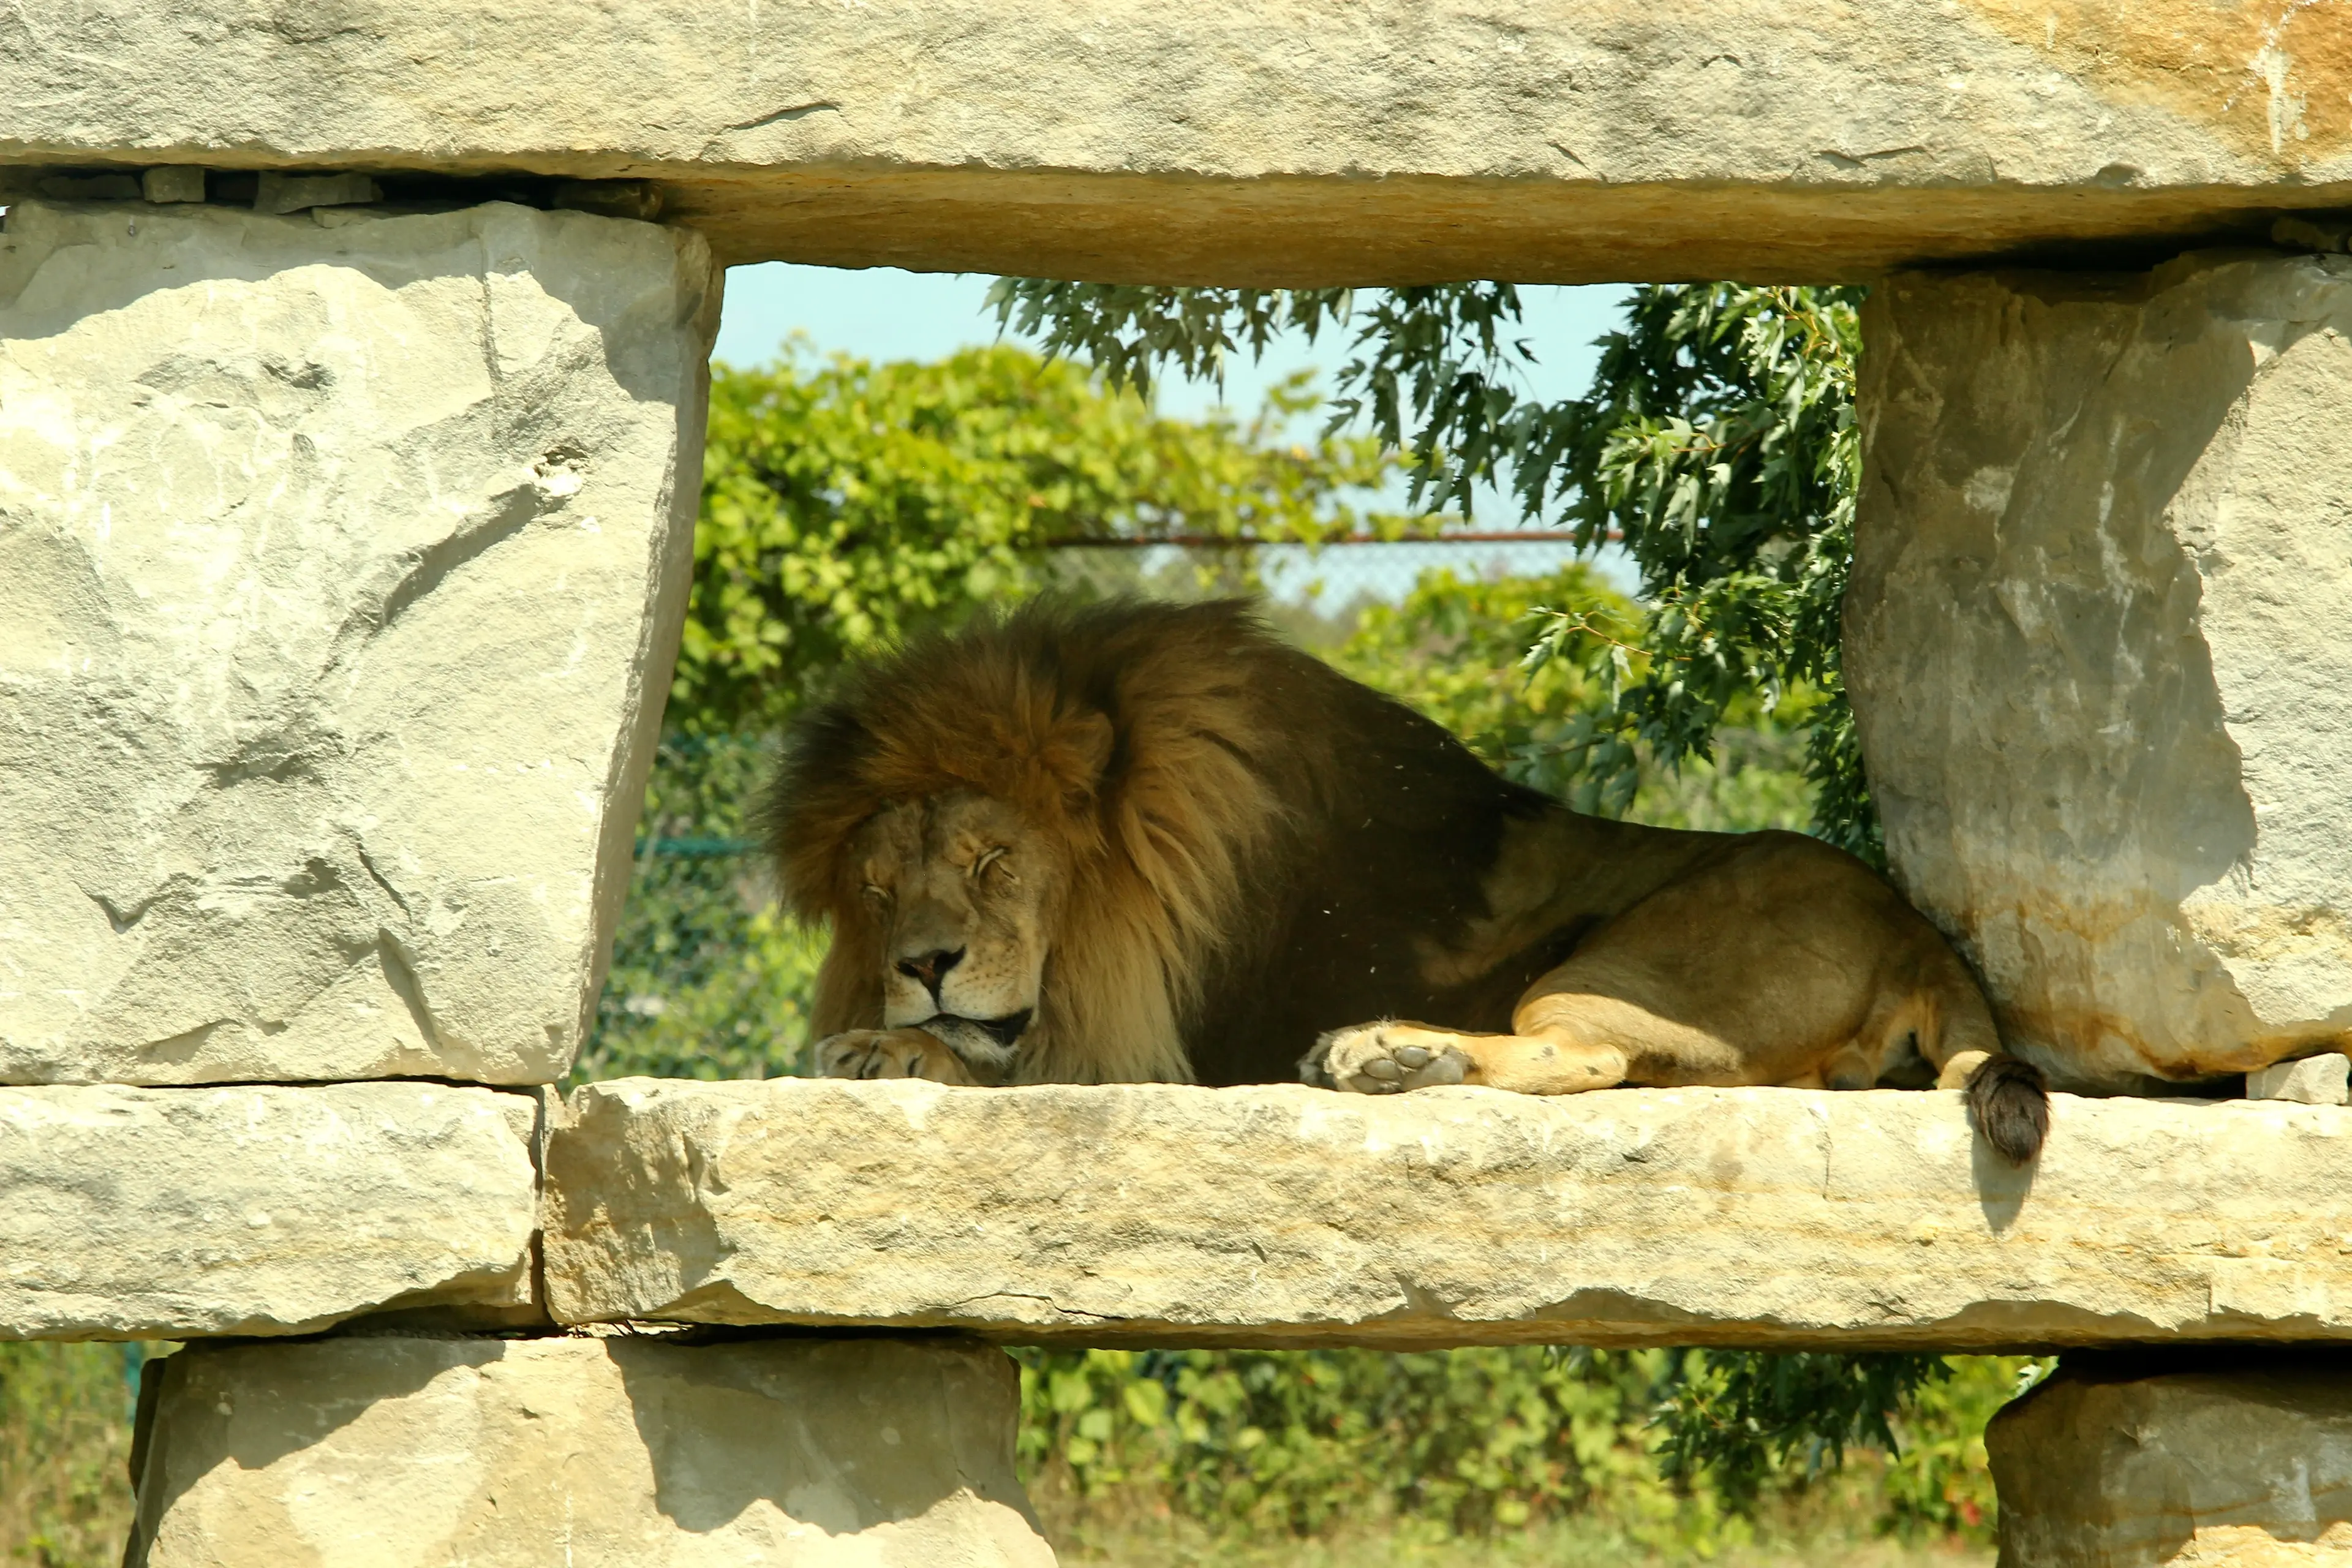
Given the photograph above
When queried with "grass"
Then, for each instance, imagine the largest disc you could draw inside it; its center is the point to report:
(1155, 1539)
(1563, 1544)
(1837, 1521)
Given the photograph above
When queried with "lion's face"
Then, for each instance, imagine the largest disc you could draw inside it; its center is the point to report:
(963, 893)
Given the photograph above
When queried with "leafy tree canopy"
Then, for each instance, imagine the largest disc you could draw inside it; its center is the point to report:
(846, 504)
(1718, 445)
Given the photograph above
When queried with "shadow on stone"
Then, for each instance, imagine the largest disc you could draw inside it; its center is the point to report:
(2224, 1455)
(215, 1405)
(404, 1450)
(2002, 1187)
(840, 1434)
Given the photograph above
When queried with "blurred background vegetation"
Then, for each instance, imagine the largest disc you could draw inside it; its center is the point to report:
(847, 503)
(65, 1451)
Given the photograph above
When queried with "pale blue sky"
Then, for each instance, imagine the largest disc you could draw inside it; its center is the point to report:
(883, 313)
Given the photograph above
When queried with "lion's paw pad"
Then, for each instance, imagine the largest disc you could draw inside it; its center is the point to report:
(1381, 1059)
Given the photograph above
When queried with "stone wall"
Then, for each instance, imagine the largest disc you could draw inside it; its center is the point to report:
(1160, 1213)
(343, 542)
(2103, 525)
(342, 557)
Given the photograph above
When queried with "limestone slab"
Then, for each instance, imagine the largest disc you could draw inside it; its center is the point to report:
(1162, 1214)
(173, 1213)
(1239, 142)
(2244, 1464)
(2323, 1079)
(341, 570)
(2103, 550)
(392, 1452)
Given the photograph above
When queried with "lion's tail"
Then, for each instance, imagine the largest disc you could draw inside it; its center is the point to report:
(2009, 1100)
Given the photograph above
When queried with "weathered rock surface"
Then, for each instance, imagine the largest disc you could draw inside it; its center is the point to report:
(389, 1452)
(1158, 1213)
(2323, 1079)
(2117, 1466)
(169, 1212)
(341, 570)
(2104, 544)
(1215, 141)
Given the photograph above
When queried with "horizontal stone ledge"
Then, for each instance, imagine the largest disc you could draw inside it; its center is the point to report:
(175, 1212)
(1218, 142)
(1283, 1215)
(401, 1450)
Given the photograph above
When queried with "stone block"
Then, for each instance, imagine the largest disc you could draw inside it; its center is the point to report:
(1240, 143)
(419, 1453)
(172, 183)
(275, 193)
(1156, 1214)
(341, 573)
(2323, 1079)
(170, 1213)
(2137, 1464)
(2104, 551)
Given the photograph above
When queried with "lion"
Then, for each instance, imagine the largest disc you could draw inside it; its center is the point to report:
(1135, 842)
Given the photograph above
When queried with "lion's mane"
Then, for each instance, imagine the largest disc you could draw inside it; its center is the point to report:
(1168, 749)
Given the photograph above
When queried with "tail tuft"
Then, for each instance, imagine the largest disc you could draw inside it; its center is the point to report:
(2009, 1100)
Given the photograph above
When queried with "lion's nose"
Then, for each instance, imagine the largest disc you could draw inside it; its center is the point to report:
(931, 968)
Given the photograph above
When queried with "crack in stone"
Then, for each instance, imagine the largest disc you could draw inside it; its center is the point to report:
(796, 111)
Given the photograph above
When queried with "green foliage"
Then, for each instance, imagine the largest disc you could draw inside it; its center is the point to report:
(847, 504)
(1456, 648)
(1717, 444)
(1453, 647)
(1254, 1446)
(709, 979)
(1259, 1443)
(65, 1441)
(1742, 1418)
(1940, 1482)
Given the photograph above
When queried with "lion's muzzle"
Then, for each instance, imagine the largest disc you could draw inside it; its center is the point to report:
(986, 1045)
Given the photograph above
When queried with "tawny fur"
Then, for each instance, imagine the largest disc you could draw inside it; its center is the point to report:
(1160, 840)
(1241, 851)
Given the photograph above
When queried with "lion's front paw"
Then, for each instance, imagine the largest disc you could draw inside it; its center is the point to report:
(1385, 1058)
(889, 1053)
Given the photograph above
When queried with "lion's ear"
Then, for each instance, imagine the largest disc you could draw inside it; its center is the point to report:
(1079, 751)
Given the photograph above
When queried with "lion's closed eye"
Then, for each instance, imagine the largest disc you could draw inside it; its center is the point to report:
(992, 859)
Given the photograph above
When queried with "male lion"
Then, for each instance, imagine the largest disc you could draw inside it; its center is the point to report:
(1140, 841)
